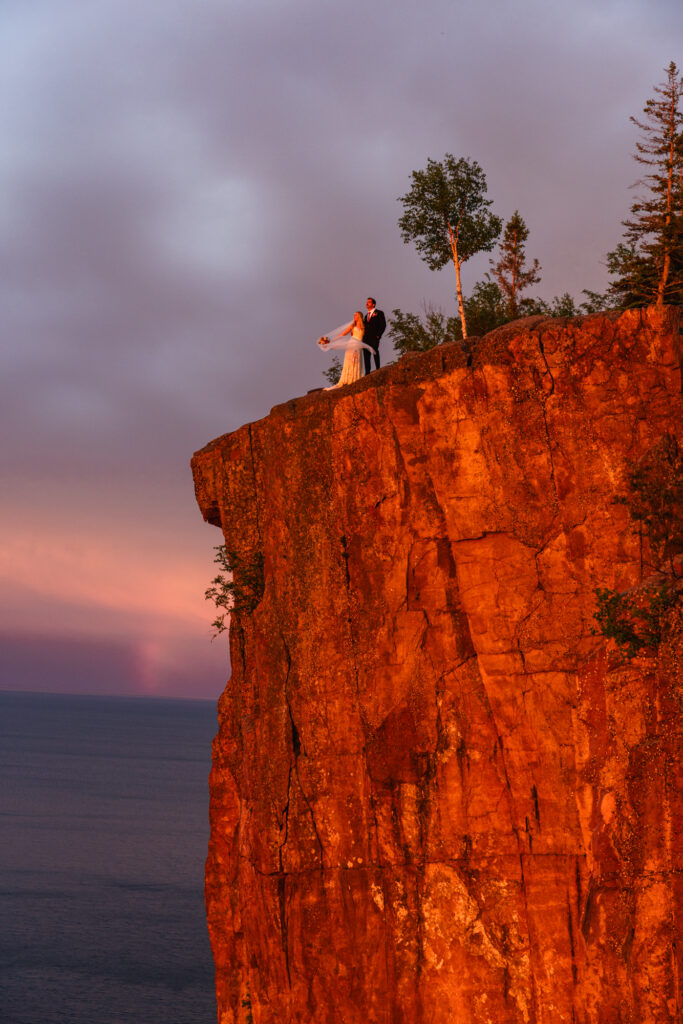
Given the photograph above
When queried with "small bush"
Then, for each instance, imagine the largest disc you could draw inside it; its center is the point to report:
(635, 621)
(655, 500)
(238, 587)
(333, 373)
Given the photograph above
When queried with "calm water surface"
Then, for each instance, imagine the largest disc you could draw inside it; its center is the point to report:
(104, 815)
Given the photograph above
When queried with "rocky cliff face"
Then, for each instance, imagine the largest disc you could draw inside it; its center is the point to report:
(435, 795)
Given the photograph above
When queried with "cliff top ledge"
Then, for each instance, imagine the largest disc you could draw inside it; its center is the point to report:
(578, 343)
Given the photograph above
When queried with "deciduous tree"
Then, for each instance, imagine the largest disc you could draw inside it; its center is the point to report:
(447, 216)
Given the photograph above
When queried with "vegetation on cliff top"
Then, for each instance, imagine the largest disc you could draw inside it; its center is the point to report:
(647, 266)
(447, 217)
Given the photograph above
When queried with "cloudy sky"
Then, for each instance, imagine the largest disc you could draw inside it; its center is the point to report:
(191, 191)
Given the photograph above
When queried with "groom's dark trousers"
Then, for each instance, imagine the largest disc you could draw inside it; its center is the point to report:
(375, 326)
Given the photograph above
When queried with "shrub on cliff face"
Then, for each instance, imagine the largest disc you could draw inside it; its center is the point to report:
(655, 500)
(638, 620)
(238, 587)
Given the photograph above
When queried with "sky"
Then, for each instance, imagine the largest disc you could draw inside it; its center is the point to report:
(191, 192)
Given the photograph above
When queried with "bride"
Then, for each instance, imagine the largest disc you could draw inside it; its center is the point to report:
(350, 338)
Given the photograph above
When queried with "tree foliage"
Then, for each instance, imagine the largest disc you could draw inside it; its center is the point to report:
(412, 333)
(239, 586)
(510, 270)
(596, 302)
(561, 305)
(638, 619)
(446, 215)
(647, 266)
(333, 372)
(565, 305)
(486, 308)
(655, 500)
(635, 621)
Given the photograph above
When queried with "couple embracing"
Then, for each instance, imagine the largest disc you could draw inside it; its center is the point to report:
(359, 337)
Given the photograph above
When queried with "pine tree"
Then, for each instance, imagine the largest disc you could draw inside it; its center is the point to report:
(447, 216)
(648, 264)
(510, 270)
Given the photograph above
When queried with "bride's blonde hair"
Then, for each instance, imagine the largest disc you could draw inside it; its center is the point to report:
(358, 320)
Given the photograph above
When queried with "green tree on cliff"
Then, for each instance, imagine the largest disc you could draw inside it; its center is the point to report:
(447, 216)
(412, 333)
(239, 586)
(485, 309)
(647, 265)
(510, 270)
(638, 619)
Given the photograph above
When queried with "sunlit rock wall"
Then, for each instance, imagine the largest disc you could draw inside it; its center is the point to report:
(436, 797)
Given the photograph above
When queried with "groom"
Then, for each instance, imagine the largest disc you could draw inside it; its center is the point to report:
(375, 324)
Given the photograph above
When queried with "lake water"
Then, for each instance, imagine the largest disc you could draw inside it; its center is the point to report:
(104, 815)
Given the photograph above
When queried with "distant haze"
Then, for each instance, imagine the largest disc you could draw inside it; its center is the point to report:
(192, 192)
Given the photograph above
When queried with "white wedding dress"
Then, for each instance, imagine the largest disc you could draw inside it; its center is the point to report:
(353, 367)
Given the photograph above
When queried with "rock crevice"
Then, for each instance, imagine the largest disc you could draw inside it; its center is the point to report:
(436, 795)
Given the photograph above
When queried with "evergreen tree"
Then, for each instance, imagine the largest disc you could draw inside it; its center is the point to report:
(510, 270)
(447, 216)
(648, 264)
(595, 302)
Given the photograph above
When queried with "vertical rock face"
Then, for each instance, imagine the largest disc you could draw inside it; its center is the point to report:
(435, 795)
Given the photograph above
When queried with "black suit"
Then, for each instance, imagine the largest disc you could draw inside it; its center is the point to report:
(374, 329)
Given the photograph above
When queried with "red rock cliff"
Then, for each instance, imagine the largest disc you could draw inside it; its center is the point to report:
(435, 796)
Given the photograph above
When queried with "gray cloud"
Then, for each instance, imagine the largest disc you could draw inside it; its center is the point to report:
(192, 190)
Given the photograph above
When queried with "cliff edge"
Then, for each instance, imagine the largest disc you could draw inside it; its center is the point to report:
(436, 797)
